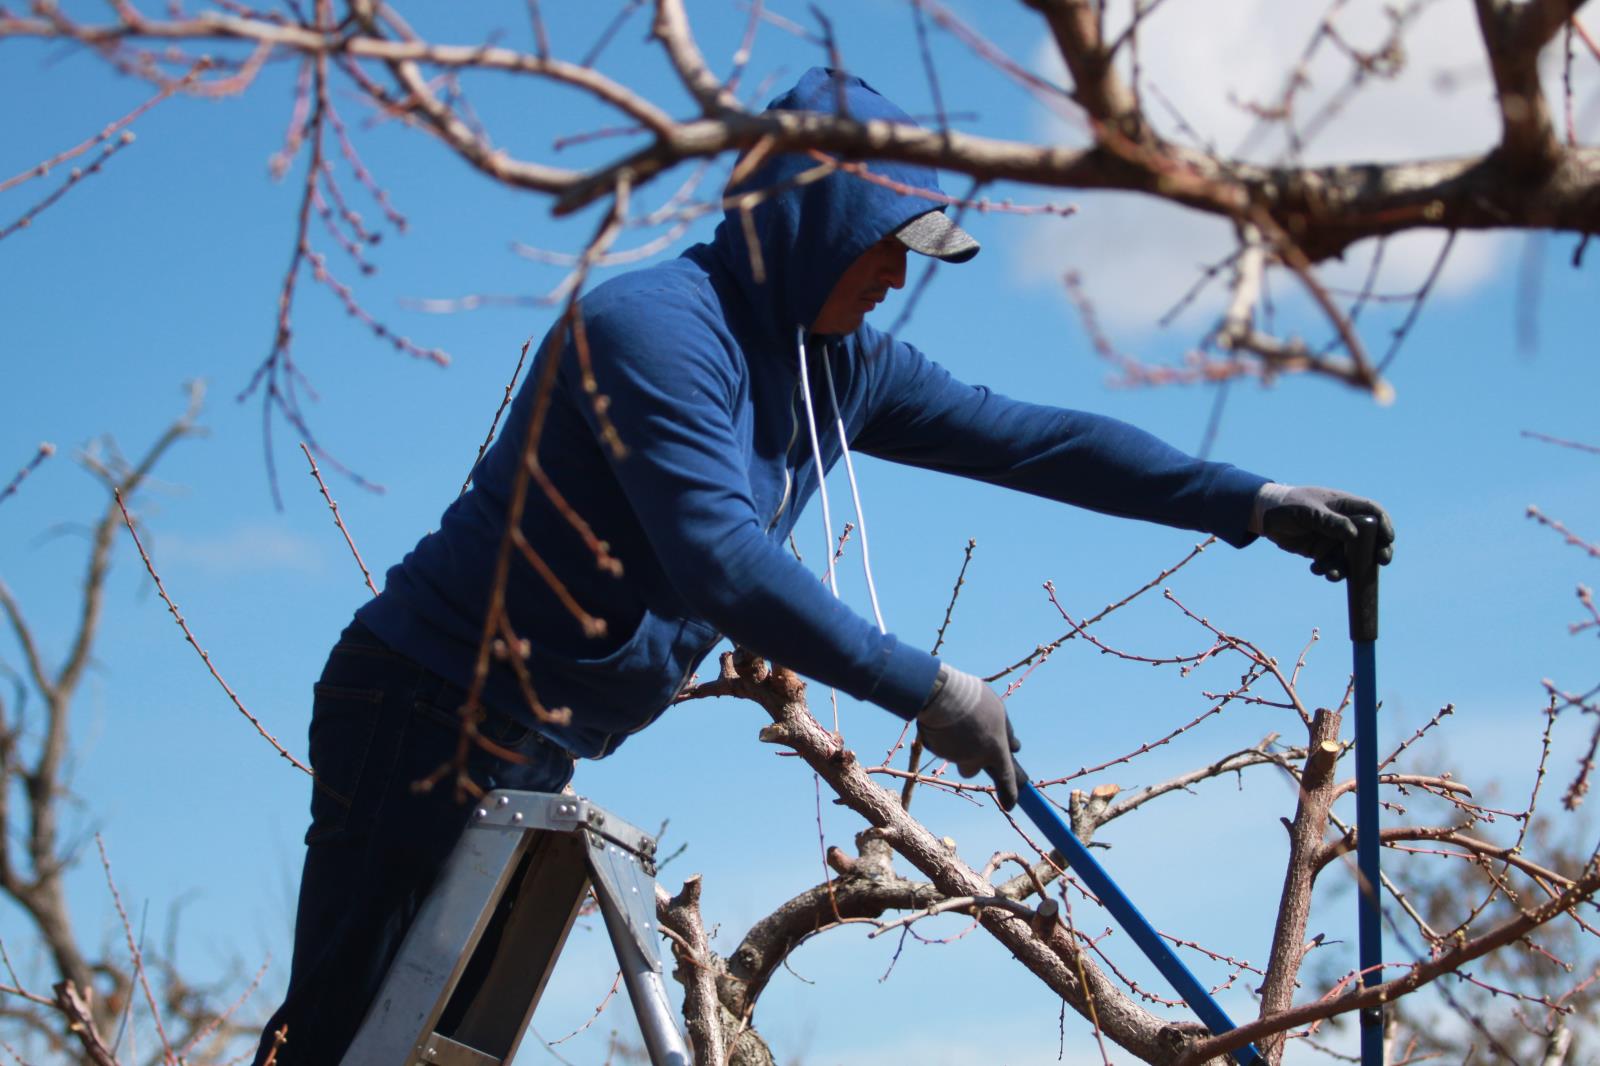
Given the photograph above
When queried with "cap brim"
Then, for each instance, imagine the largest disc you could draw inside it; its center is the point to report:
(935, 234)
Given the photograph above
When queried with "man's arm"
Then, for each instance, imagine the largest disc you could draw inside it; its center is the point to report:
(917, 413)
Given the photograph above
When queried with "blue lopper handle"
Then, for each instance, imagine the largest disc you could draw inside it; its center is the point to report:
(1362, 592)
(1127, 915)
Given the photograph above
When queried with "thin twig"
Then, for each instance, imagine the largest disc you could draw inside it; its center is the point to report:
(39, 170)
(46, 450)
(599, 1010)
(495, 425)
(188, 635)
(334, 507)
(77, 175)
(955, 593)
(1415, 311)
(205, 1031)
(1046, 649)
(168, 1055)
(1590, 448)
(1590, 548)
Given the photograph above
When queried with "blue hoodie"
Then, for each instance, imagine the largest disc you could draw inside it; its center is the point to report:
(699, 362)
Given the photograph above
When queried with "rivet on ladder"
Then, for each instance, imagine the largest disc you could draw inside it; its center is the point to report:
(480, 813)
(503, 801)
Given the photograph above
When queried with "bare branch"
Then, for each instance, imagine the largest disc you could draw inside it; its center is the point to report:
(80, 1022)
(1446, 835)
(914, 757)
(1305, 841)
(1575, 445)
(317, 475)
(671, 28)
(45, 451)
(505, 402)
(1513, 35)
(1046, 649)
(1588, 547)
(1076, 27)
(212, 25)
(188, 636)
(1055, 959)
(136, 957)
(30, 649)
(869, 887)
(696, 971)
(1239, 760)
(1418, 975)
(77, 175)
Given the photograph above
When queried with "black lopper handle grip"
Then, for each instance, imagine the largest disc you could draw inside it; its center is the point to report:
(1361, 577)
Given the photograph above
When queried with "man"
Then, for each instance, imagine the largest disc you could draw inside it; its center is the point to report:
(713, 366)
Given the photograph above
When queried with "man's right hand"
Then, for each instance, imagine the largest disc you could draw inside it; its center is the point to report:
(965, 722)
(1318, 524)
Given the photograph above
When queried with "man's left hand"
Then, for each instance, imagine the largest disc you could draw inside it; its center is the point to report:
(1316, 523)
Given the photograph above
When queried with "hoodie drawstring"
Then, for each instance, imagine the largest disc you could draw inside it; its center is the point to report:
(855, 494)
(816, 459)
(850, 470)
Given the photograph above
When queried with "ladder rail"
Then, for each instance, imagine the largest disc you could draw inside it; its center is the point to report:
(529, 943)
(436, 950)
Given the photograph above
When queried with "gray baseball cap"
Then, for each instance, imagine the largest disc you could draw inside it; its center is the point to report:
(935, 234)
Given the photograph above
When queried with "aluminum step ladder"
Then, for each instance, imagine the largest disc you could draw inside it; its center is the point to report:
(463, 987)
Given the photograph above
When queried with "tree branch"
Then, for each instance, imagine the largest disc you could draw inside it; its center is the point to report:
(671, 28)
(308, 40)
(1076, 27)
(1239, 760)
(1513, 35)
(867, 890)
(1326, 209)
(80, 1022)
(1054, 957)
(701, 1009)
(24, 634)
(105, 532)
(1300, 873)
(1419, 975)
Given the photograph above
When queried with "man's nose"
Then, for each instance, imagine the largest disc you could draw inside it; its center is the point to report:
(894, 272)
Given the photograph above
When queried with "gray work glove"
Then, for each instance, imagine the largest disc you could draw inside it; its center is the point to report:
(1316, 523)
(965, 722)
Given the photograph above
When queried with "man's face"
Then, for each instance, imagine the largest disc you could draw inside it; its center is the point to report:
(862, 287)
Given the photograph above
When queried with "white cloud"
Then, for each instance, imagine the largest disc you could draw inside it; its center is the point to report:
(1138, 256)
(250, 547)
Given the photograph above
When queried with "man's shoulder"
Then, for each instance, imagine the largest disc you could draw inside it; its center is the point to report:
(676, 292)
(661, 320)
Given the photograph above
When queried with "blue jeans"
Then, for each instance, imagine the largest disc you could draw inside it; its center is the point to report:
(379, 723)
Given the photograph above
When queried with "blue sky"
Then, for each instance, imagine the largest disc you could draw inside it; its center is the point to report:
(166, 267)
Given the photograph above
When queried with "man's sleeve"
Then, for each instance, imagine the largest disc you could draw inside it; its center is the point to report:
(672, 393)
(917, 413)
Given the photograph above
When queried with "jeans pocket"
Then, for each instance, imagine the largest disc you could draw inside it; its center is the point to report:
(515, 754)
(343, 723)
(505, 731)
(443, 709)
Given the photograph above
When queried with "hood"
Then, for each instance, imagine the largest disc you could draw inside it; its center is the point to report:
(809, 234)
